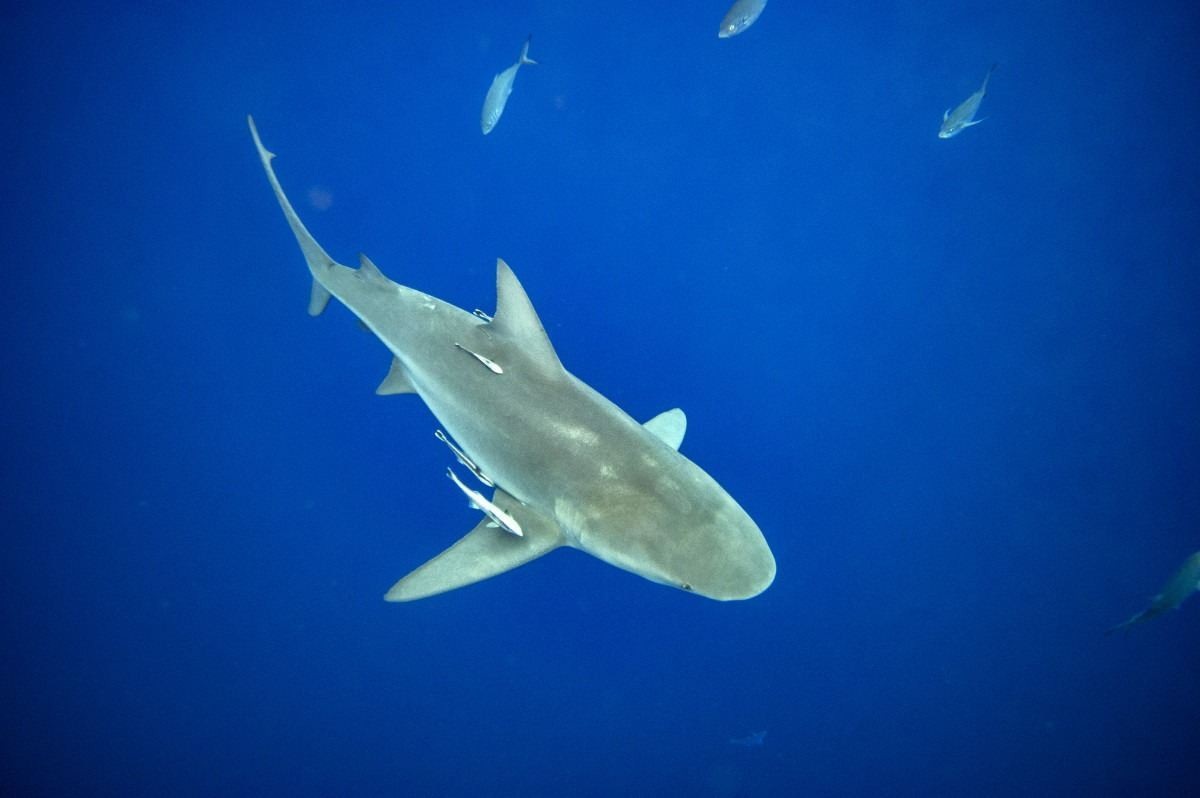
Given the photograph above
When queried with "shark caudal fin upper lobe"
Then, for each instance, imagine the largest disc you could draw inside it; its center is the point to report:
(318, 259)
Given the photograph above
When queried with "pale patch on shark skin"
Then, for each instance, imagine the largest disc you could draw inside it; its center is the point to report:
(569, 467)
(579, 435)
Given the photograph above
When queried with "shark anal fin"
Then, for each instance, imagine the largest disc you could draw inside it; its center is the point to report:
(318, 299)
(669, 427)
(396, 381)
(482, 553)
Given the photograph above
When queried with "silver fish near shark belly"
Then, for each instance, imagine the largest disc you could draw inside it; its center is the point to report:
(963, 117)
(570, 467)
(502, 86)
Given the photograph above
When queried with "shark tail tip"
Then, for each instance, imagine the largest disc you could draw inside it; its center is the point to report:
(263, 151)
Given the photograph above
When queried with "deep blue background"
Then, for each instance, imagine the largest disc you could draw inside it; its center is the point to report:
(955, 382)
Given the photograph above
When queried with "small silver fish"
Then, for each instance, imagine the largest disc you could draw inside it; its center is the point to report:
(740, 16)
(491, 365)
(467, 462)
(963, 117)
(1184, 583)
(502, 86)
(751, 740)
(498, 516)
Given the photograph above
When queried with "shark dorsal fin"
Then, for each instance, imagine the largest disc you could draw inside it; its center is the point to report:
(517, 321)
(669, 427)
(396, 381)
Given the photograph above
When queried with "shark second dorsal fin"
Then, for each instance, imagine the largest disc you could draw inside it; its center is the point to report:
(396, 381)
(517, 321)
(482, 553)
(669, 427)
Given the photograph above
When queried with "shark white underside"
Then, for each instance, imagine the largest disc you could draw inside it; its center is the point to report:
(570, 468)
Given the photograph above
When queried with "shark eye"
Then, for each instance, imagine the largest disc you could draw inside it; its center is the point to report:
(686, 586)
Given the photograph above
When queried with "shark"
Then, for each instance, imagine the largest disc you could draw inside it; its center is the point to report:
(567, 466)
(1178, 588)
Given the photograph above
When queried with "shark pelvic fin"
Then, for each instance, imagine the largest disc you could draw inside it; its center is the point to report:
(516, 320)
(396, 381)
(484, 552)
(669, 427)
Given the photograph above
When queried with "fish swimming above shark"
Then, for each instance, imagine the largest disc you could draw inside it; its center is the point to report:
(751, 740)
(502, 86)
(1184, 583)
(963, 117)
(569, 467)
(741, 15)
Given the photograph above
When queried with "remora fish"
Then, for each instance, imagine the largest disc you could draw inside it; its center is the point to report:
(740, 16)
(1185, 582)
(963, 117)
(569, 466)
(502, 86)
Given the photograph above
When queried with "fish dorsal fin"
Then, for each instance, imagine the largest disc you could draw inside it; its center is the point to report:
(669, 427)
(396, 381)
(517, 321)
(482, 553)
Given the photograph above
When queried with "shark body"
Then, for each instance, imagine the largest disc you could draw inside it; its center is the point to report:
(569, 467)
(1178, 588)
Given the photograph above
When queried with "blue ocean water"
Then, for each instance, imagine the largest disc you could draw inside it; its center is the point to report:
(954, 381)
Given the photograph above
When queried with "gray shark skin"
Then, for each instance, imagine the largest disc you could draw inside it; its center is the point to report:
(1178, 588)
(569, 466)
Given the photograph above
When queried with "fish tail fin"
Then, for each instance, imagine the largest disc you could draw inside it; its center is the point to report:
(525, 59)
(988, 77)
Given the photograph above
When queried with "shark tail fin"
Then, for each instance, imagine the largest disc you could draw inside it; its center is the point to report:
(319, 262)
(1124, 625)
(482, 553)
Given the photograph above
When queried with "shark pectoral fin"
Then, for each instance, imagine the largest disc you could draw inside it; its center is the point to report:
(975, 122)
(484, 552)
(669, 427)
(396, 381)
(516, 320)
